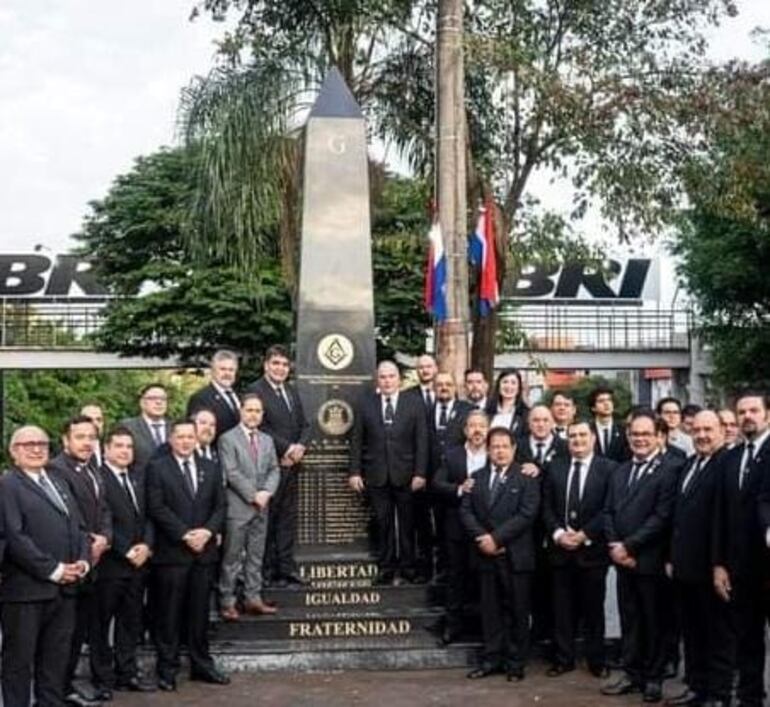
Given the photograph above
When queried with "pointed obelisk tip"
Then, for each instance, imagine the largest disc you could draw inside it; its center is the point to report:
(335, 99)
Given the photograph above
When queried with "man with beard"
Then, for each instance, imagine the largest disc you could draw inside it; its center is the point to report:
(219, 396)
(740, 549)
(476, 388)
(74, 467)
(453, 480)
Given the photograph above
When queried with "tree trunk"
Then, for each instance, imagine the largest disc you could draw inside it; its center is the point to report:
(452, 334)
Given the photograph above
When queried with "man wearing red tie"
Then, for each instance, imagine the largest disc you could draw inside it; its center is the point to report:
(251, 471)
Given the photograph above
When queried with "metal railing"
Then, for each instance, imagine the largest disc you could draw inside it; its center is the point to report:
(48, 323)
(596, 328)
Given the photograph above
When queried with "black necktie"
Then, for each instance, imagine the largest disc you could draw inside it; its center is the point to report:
(637, 467)
(746, 467)
(129, 491)
(539, 453)
(232, 401)
(442, 417)
(573, 497)
(282, 395)
(389, 412)
(497, 473)
(696, 467)
(187, 474)
(606, 440)
(428, 399)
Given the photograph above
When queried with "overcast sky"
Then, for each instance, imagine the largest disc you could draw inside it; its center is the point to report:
(88, 85)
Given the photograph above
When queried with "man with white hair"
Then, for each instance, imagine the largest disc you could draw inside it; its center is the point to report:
(218, 396)
(46, 557)
(389, 460)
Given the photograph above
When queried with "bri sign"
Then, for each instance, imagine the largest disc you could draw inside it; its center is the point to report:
(41, 277)
(630, 281)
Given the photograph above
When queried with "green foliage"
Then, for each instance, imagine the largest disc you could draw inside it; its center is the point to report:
(724, 243)
(581, 390)
(48, 398)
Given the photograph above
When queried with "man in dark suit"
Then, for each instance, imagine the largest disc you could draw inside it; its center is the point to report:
(74, 467)
(452, 481)
(611, 441)
(426, 390)
(446, 424)
(218, 396)
(95, 413)
(690, 561)
(284, 420)
(206, 434)
(740, 544)
(122, 571)
(389, 460)
(574, 495)
(498, 514)
(541, 446)
(637, 523)
(46, 556)
(150, 429)
(187, 506)
(563, 409)
(476, 388)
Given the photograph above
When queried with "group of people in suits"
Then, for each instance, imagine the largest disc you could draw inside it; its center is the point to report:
(675, 501)
(130, 530)
(522, 508)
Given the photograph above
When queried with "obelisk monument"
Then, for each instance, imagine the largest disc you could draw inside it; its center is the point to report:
(335, 324)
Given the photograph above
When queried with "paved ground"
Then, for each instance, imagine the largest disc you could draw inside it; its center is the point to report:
(404, 689)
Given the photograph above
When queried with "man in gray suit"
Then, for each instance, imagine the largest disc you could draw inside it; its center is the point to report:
(151, 429)
(250, 466)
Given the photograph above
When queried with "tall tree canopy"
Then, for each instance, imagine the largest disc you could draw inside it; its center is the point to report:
(724, 238)
(610, 96)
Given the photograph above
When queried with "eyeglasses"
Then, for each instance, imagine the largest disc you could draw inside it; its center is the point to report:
(32, 445)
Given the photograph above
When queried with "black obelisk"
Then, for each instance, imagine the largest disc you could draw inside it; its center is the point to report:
(335, 325)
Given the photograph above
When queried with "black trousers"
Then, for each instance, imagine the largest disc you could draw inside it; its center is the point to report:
(424, 531)
(36, 643)
(671, 622)
(740, 643)
(643, 642)
(85, 625)
(708, 668)
(459, 574)
(282, 526)
(183, 598)
(505, 613)
(578, 594)
(118, 598)
(393, 508)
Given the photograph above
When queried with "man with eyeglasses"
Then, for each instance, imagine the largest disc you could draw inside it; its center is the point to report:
(46, 556)
(150, 429)
(637, 522)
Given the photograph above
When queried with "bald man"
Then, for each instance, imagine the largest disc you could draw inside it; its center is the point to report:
(389, 462)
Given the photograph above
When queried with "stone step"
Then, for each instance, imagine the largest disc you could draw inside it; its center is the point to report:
(388, 627)
(335, 599)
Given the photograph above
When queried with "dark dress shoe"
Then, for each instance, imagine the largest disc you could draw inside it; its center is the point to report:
(670, 670)
(212, 676)
(599, 671)
(295, 581)
(134, 685)
(448, 636)
(687, 697)
(559, 669)
(76, 699)
(383, 579)
(167, 684)
(102, 694)
(621, 686)
(514, 674)
(652, 692)
(483, 671)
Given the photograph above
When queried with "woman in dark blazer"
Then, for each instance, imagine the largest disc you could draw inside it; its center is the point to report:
(506, 407)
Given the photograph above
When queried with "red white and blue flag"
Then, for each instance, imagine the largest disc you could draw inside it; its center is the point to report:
(481, 251)
(435, 274)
